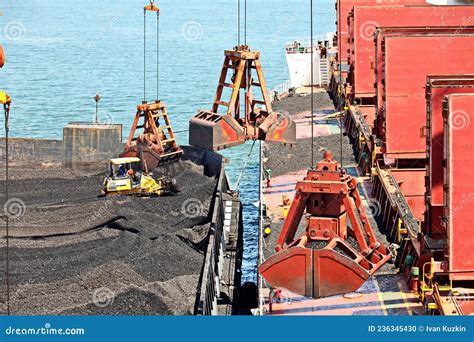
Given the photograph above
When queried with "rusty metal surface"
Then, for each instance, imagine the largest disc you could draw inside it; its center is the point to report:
(366, 19)
(151, 136)
(216, 130)
(312, 263)
(437, 87)
(407, 61)
(459, 188)
(313, 273)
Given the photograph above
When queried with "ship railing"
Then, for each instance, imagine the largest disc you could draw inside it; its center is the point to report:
(280, 89)
(261, 242)
(306, 42)
(210, 292)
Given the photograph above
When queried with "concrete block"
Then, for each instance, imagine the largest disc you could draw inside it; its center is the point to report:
(85, 143)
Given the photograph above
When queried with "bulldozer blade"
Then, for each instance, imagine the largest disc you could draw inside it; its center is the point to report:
(313, 273)
(279, 128)
(215, 132)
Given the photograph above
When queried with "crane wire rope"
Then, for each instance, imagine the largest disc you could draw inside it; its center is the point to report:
(244, 167)
(239, 29)
(341, 88)
(238, 22)
(6, 108)
(157, 53)
(245, 22)
(144, 55)
(246, 82)
(312, 82)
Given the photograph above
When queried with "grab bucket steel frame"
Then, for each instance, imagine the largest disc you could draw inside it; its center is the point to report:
(214, 131)
(317, 272)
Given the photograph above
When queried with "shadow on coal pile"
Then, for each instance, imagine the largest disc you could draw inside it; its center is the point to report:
(73, 252)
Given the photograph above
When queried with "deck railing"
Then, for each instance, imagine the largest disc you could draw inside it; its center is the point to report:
(280, 89)
(209, 292)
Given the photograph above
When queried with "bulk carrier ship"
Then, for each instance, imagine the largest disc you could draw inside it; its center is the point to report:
(378, 222)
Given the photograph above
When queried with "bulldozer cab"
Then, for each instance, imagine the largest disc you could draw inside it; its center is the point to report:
(124, 167)
(123, 177)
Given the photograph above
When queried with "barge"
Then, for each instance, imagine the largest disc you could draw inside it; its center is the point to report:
(73, 252)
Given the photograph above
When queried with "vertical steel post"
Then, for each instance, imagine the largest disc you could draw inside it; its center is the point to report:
(7, 221)
(97, 99)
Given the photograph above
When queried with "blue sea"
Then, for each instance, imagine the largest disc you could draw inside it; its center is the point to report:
(59, 54)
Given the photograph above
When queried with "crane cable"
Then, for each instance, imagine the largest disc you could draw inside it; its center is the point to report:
(239, 20)
(246, 80)
(157, 52)
(312, 82)
(237, 187)
(245, 22)
(157, 55)
(144, 55)
(341, 89)
(244, 167)
(6, 108)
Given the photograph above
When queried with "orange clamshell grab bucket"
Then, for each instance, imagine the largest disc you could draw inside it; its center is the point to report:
(231, 123)
(313, 273)
(328, 198)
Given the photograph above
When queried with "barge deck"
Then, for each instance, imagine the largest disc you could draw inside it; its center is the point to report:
(384, 294)
(75, 253)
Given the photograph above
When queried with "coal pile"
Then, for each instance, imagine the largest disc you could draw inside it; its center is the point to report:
(286, 159)
(73, 252)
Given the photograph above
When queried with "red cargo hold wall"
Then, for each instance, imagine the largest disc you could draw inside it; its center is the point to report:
(437, 87)
(412, 185)
(344, 8)
(366, 18)
(407, 62)
(459, 193)
(381, 33)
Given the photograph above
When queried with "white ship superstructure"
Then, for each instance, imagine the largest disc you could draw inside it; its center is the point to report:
(298, 59)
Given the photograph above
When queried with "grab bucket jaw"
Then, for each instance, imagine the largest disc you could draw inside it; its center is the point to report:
(151, 136)
(211, 131)
(215, 132)
(313, 273)
(150, 158)
(278, 128)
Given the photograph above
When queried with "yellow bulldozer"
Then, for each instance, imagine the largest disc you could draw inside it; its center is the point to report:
(126, 177)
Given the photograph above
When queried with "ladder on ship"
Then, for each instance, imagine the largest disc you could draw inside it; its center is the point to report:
(231, 222)
(324, 71)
